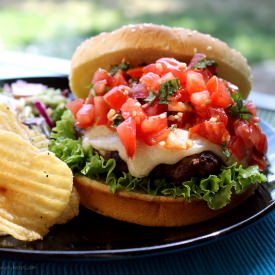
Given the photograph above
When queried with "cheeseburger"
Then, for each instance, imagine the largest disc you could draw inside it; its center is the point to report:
(159, 133)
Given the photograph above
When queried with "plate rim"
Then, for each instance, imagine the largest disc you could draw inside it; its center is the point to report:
(129, 253)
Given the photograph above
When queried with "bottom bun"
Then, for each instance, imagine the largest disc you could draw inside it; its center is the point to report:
(146, 209)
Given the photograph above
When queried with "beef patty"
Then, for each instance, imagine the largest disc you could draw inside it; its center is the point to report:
(202, 165)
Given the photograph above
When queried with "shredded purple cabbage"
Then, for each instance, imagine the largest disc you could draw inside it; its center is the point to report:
(43, 112)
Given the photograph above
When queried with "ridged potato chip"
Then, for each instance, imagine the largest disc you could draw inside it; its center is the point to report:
(72, 208)
(35, 187)
(38, 140)
(10, 122)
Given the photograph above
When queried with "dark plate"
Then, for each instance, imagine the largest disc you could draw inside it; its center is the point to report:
(91, 236)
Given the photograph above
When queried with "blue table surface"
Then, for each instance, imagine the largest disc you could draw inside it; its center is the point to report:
(248, 251)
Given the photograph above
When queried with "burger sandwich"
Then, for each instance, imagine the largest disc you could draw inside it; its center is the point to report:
(160, 133)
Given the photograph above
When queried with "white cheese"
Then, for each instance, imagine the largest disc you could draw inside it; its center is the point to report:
(147, 157)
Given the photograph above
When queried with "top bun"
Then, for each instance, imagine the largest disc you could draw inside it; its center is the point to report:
(144, 44)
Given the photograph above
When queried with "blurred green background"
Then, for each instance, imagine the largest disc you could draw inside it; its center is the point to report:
(55, 28)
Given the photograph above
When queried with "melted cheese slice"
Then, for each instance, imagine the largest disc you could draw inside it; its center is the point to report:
(147, 157)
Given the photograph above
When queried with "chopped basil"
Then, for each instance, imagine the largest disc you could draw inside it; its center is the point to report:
(238, 109)
(90, 86)
(168, 88)
(204, 63)
(123, 66)
(236, 97)
(150, 97)
(245, 116)
(114, 70)
(225, 151)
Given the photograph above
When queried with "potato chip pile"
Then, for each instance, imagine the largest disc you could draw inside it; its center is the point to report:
(36, 188)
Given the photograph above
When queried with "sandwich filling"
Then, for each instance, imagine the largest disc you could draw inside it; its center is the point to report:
(166, 128)
(147, 157)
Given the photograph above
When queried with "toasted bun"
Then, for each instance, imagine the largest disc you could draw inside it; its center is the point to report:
(146, 209)
(145, 43)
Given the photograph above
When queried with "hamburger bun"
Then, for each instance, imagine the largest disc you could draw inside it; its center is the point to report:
(144, 44)
(146, 209)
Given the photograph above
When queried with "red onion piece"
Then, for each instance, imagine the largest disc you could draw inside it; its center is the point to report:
(43, 112)
(196, 59)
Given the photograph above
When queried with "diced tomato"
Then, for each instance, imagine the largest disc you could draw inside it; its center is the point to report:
(199, 105)
(117, 96)
(249, 105)
(244, 131)
(252, 135)
(216, 114)
(200, 100)
(89, 99)
(154, 108)
(154, 138)
(182, 95)
(258, 139)
(200, 117)
(127, 135)
(154, 124)
(219, 114)
(100, 87)
(153, 68)
(132, 108)
(237, 146)
(151, 81)
(206, 73)
(186, 120)
(85, 116)
(262, 145)
(254, 142)
(135, 72)
(257, 159)
(101, 74)
(101, 110)
(106, 79)
(75, 105)
(117, 79)
(194, 82)
(139, 91)
(215, 132)
(220, 96)
(168, 76)
(171, 65)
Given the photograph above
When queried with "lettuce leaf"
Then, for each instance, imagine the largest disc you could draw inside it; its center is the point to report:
(215, 190)
(64, 127)
(70, 151)
(65, 145)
